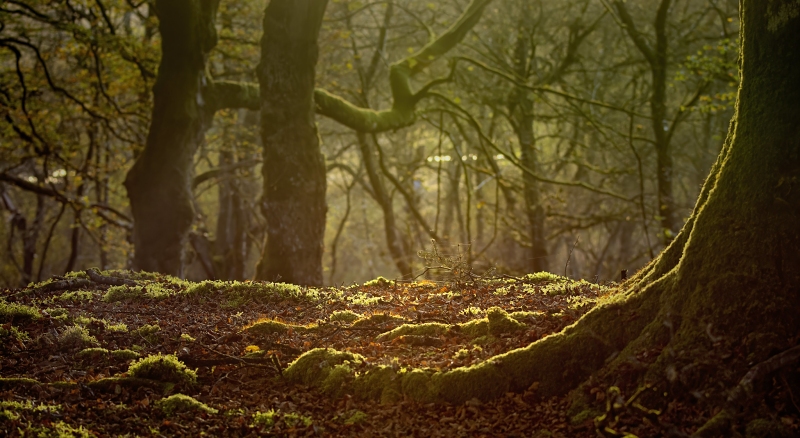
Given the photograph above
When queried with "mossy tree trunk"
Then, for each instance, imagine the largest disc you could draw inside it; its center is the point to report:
(294, 169)
(185, 100)
(723, 296)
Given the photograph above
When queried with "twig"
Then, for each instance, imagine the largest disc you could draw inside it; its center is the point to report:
(569, 256)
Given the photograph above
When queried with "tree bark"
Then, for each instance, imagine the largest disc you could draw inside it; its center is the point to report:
(294, 169)
(159, 183)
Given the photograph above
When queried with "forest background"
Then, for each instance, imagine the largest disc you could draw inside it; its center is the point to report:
(551, 131)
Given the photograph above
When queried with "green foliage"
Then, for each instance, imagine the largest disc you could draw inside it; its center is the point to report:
(10, 312)
(165, 368)
(182, 403)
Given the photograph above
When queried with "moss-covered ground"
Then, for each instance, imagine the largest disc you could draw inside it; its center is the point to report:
(169, 357)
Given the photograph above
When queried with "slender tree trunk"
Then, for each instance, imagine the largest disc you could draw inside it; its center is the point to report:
(398, 249)
(523, 107)
(159, 183)
(294, 169)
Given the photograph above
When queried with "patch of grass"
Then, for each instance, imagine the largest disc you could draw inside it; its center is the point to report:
(10, 312)
(183, 403)
(264, 419)
(76, 336)
(165, 368)
(78, 295)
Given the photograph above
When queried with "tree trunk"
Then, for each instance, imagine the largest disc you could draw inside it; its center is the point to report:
(159, 183)
(522, 105)
(294, 169)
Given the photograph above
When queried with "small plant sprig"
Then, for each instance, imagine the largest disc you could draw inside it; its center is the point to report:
(458, 265)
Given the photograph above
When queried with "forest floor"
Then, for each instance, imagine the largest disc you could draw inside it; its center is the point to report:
(103, 354)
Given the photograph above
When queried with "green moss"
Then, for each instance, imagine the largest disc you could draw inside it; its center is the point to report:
(417, 385)
(76, 336)
(765, 428)
(149, 332)
(338, 378)
(356, 417)
(379, 383)
(165, 368)
(94, 354)
(379, 282)
(426, 329)
(121, 327)
(347, 316)
(314, 366)
(61, 429)
(483, 340)
(14, 333)
(10, 312)
(57, 312)
(264, 419)
(113, 384)
(124, 293)
(78, 295)
(124, 354)
(500, 322)
(270, 327)
(719, 425)
(238, 293)
(187, 338)
(9, 409)
(543, 277)
(293, 419)
(475, 328)
(183, 403)
(523, 316)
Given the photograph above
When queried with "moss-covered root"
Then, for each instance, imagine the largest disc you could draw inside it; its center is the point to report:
(183, 403)
(315, 366)
(164, 368)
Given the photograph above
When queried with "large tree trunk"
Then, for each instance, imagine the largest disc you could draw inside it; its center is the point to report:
(294, 168)
(159, 183)
(727, 289)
